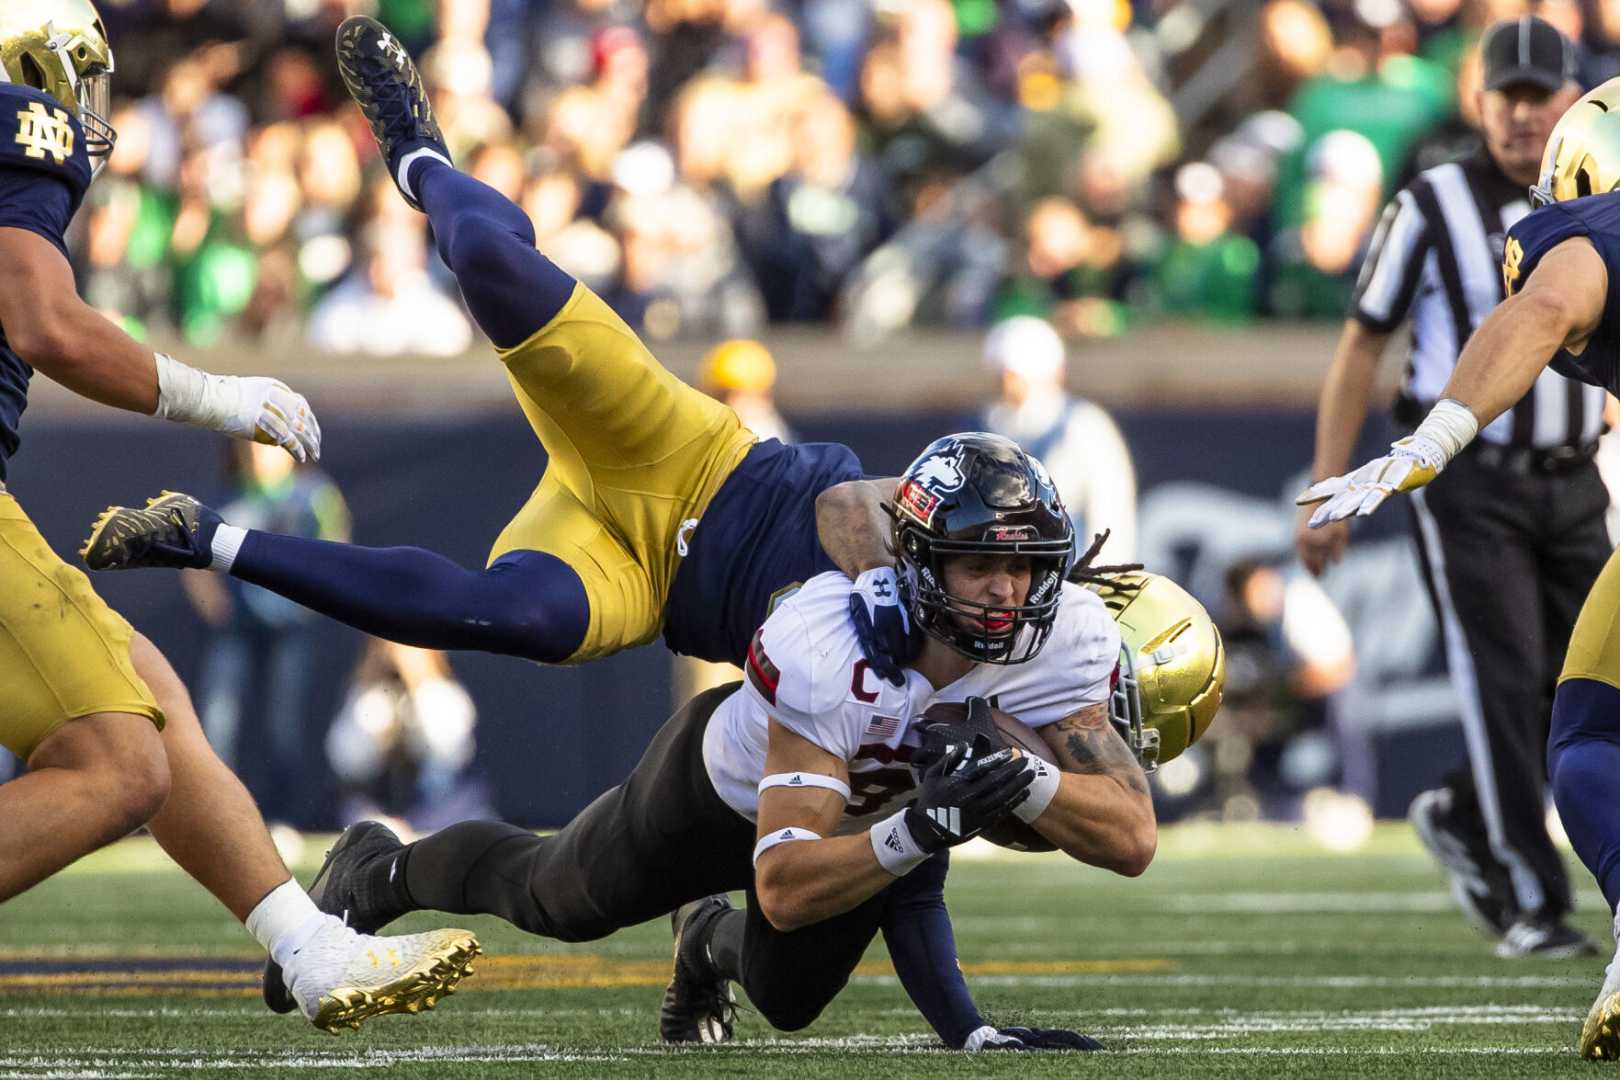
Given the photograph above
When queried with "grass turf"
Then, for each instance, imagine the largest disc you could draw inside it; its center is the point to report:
(1244, 952)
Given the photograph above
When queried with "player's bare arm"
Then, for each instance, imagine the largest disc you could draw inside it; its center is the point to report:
(855, 528)
(853, 525)
(57, 333)
(803, 881)
(1559, 307)
(1102, 813)
(1340, 413)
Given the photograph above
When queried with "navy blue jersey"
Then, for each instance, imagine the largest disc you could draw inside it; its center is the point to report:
(44, 172)
(1596, 217)
(757, 543)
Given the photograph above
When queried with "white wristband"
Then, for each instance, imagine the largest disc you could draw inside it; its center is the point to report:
(781, 836)
(1041, 791)
(804, 780)
(1450, 426)
(896, 849)
(189, 396)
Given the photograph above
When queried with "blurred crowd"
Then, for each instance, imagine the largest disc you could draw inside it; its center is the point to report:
(710, 166)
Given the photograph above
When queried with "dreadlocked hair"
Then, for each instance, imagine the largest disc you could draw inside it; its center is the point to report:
(1113, 577)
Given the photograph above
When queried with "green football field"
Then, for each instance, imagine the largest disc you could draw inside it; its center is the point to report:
(1244, 952)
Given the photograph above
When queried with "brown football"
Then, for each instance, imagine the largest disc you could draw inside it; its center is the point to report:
(1009, 832)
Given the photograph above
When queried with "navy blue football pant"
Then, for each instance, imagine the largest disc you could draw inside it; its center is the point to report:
(663, 838)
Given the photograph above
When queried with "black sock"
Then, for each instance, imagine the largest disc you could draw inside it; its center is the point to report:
(725, 944)
(473, 868)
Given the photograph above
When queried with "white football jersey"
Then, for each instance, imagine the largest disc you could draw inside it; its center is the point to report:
(806, 671)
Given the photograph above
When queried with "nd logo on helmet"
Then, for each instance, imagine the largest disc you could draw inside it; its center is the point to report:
(45, 131)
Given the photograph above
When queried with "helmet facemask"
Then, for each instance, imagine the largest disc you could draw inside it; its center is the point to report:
(92, 92)
(965, 625)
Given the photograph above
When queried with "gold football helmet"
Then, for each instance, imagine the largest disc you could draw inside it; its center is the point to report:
(60, 47)
(1583, 151)
(1172, 665)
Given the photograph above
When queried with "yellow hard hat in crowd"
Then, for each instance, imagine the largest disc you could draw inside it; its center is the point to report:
(740, 365)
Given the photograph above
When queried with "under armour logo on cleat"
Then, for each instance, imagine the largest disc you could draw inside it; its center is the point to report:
(882, 591)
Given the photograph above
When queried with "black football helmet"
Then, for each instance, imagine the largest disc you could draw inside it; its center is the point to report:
(973, 494)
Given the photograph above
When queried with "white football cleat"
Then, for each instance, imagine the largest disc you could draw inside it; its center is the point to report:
(341, 979)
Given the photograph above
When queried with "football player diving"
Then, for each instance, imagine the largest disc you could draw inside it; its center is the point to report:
(1563, 310)
(107, 730)
(831, 796)
(657, 510)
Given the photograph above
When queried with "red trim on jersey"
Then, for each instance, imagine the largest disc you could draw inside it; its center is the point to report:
(761, 672)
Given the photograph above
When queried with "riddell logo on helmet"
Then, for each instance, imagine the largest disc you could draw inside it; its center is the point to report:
(1007, 534)
(917, 501)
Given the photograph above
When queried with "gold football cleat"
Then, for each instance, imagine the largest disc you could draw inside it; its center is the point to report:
(1600, 1035)
(396, 975)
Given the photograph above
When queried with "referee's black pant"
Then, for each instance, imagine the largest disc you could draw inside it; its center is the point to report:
(1509, 556)
(642, 849)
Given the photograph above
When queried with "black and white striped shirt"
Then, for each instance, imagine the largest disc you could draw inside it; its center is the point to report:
(1437, 255)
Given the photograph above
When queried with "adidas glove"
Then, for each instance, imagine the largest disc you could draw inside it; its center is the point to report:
(963, 791)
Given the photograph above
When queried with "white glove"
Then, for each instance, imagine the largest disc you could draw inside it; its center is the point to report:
(247, 407)
(1411, 463)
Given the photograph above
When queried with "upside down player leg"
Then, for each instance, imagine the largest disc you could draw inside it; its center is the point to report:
(634, 454)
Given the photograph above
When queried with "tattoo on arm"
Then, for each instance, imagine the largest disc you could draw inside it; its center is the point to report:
(1091, 745)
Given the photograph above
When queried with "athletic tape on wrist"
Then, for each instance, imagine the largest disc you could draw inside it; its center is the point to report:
(1041, 791)
(804, 780)
(1450, 425)
(896, 849)
(782, 836)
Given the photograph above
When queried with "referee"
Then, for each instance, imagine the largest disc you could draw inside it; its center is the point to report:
(1512, 534)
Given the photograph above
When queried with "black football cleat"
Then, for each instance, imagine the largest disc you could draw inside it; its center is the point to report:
(343, 887)
(699, 1005)
(383, 81)
(1479, 884)
(170, 530)
(1549, 939)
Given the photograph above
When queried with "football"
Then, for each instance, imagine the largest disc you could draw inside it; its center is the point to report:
(1009, 832)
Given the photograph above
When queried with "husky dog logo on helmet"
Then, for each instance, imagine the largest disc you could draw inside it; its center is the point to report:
(940, 473)
(977, 494)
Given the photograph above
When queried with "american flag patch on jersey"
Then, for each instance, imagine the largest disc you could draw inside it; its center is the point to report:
(882, 728)
(761, 672)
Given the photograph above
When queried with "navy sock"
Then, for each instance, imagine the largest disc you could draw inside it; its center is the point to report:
(1583, 769)
(917, 930)
(529, 603)
(487, 241)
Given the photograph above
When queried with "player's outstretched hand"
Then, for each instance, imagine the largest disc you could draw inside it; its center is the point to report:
(881, 623)
(963, 791)
(280, 416)
(1023, 1038)
(1410, 463)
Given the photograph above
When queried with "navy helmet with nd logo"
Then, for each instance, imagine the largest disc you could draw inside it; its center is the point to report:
(980, 494)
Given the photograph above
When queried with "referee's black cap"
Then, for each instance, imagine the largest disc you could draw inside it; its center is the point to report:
(1527, 51)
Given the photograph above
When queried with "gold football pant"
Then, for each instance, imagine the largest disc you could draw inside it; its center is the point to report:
(63, 652)
(635, 456)
(1594, 647)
